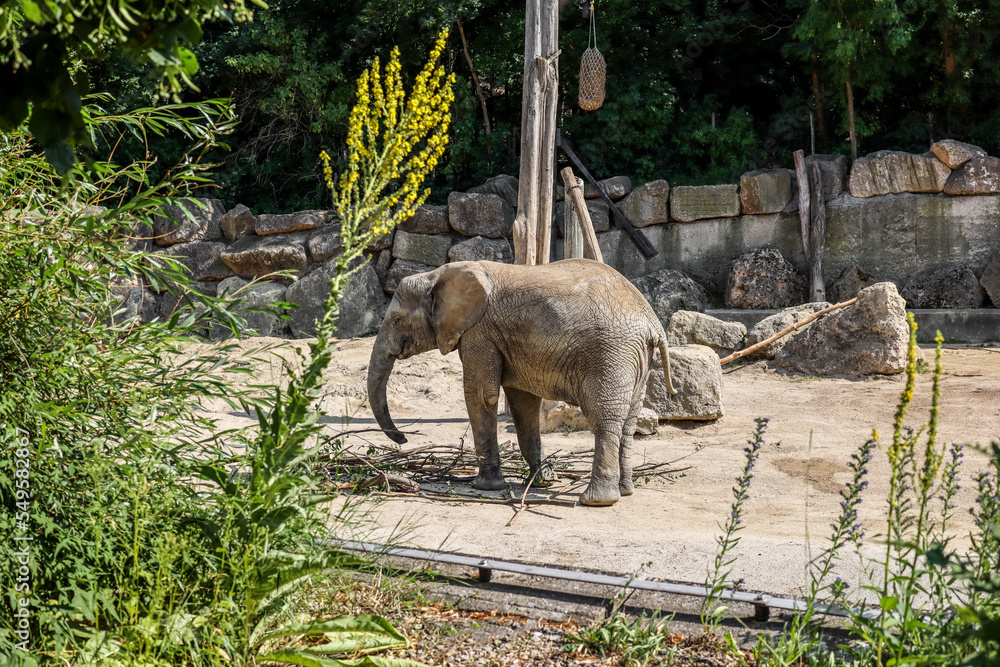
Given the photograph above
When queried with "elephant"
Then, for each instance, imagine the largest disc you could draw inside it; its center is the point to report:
(574, 330)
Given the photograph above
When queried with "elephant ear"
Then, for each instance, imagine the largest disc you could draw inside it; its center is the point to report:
(457, 301)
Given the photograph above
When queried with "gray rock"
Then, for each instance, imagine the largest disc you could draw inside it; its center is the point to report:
(991, 280)
(851, 281)
(771, 325)
(703, 202)
(894, 172)
(283, 223)
(325, 243)
(183, 303)
(869, 337)
(140, 239)
(401, 269)
(691, 328)
(256, 257)
(832, 172)
(382, 265)
(668, 291)
(696, 374)
(763, 278)
(362, 305)
(383, 242)
(428, 219)
(560, 417)
(192, 219)
(249, 302)
(978, 176)
(237, 222)
(648, 422)
(429, 249)
(956, 153)
(473, 214)
(503, 185)
(765, 191)
(647, 204)
(615, 187)
(481, 249)
(133, 303)
(201, 259)
(599, 215)
(952, 286)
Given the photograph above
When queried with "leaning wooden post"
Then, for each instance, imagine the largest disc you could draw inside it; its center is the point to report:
(803, 179)
(572, 232)
(817, 236)
(574, 197)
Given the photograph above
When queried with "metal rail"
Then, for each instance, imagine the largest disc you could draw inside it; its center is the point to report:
(762, 602)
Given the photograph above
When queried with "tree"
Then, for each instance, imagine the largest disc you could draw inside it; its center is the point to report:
(44, 41)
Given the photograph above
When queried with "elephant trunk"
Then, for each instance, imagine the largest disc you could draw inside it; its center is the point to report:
(665, 358)
(379, 368)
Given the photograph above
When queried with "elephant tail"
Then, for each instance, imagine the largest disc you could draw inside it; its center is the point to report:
(665, 359)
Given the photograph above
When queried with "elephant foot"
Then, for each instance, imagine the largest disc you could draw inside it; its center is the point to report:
(626, 486)
(600, 494)
(488, 483)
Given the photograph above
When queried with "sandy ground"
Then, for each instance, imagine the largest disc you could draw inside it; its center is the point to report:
(668, 529)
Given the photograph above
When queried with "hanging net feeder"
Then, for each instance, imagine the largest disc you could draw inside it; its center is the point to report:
(593, 71)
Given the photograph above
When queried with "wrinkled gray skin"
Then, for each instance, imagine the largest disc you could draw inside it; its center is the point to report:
(574, 331)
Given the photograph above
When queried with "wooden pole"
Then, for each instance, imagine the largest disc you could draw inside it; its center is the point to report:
(817, 236)
(803, 179)
(574, 196)
(548, 76)
(784, 332)
(572, 232)
(526, 220)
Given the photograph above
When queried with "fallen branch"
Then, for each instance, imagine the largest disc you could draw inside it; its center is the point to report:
(784, 332)
(541, 466)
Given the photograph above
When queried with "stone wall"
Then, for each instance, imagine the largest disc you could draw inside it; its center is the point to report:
(895, 217)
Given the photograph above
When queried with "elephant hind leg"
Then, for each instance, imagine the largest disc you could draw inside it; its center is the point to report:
(606, 474)
(625, 483)
(524, 408)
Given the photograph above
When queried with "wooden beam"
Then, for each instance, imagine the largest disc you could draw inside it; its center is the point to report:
(574, 197)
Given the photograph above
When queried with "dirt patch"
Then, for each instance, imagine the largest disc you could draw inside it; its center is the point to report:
(668, 528)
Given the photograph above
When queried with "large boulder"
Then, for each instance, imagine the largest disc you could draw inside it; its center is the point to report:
(401, 269)
(990, 280)
(503, 186)
(283, 223)
(764, 192)
(691, 328)
(894, 172)
(696, 375)
(615, 188)
(780, 321)
(851, 281)
(202, 260)
(600, 217)
(133, 303)
(763, 278)
(978, 176)
(251, 301)
(428, 219)
(429, 249)
(382, 264)
(237, 222)
(325, 242)
(256, 257)
(480, 249)
(866, 338)
(362, 306)
(956, 153)
(668, 291)
(703, 202)
(182, 303)
(560, 417)
(192, 219)
(475, 214)
(952, 286)
(647, 204)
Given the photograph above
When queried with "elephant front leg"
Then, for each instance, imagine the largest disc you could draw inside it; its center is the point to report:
(524, 409)
(481, 397)
(605, 476)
